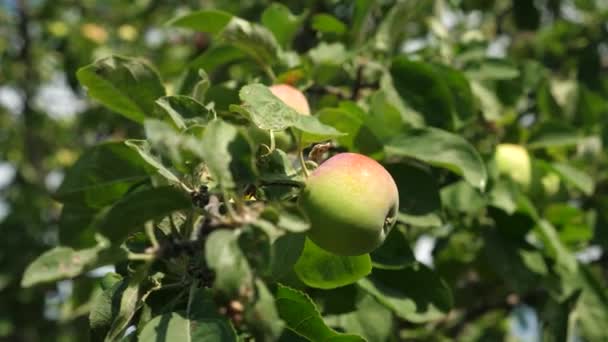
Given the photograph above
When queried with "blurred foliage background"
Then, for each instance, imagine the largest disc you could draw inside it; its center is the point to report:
(543, 73)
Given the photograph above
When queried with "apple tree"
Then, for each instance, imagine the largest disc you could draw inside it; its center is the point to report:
(281, 184)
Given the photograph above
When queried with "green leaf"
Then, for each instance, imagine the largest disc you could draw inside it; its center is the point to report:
(350, 120)
(371, 320)
(326, 23)
(422, 86)
(142, 148)
(359, 27)
(131, 212)
(320, 269)
(394, 253)
(282, 23)
(518, 264)
(462, 197)
(62, 263)
(104, 310)
(421, 198)
(216, 56)
(285, 251)
(391, 30)
(493, 70)
(227, 154)
(75, 225)
(300, 314)
(212, 21)
(415, 293)
(201, 87)
(253, 39)
(442, 149)
(263, 316)
(102, 175)
(128, 86)
(178, 108)
(265, 110)
(552, 134)
(574, 176)
(314, 130)
(223, 255)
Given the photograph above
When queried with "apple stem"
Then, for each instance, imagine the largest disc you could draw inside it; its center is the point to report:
(302, 161)
(272, 142)
(151, 235)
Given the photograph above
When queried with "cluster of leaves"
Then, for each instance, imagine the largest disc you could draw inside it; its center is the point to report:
(199, 218)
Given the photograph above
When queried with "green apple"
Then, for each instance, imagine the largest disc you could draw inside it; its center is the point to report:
(352, 203)
(292, 97)
(514, 161)
(550, 183)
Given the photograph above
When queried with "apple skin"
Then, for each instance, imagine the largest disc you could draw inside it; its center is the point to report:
(352, 203)
(292, 97)
(514, 161)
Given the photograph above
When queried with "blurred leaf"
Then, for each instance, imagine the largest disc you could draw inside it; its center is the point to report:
(75, 225)
(357, 136)
(126, 85)
(253, 39)
(420, 200)
(554, 134)
(519, 265)
(576, 177)
(223, 255)
(391, 30)
(212, 21)
(216, 56)
(371, 320)
(422, 87)
(394, 253)
(282, 23)
(326, 23)
(300, 314)
(416, 293)
(462, 197)
(442, 149)
(320, 269)
(131, 212)
(62, 263)
(493, 70)
(201, 87)
(226, 153)
(102, 175)
(264, 316)
(314, 130)
(359, 27)
(286, 251)
(558, 316)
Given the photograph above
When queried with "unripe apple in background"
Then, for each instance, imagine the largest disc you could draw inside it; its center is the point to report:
(550, 183)
(514, 161)
(352, 203)
(292, 97)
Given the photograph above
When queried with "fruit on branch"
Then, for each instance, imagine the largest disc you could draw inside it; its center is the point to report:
(514, 161)
(352, 203)
(291, 97)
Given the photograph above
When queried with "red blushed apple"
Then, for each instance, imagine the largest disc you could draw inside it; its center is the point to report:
(291, 97)
(352, 203)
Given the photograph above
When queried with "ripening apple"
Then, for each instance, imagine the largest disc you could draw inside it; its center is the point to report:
(514, 161)
(292, 97)
(352, 203)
